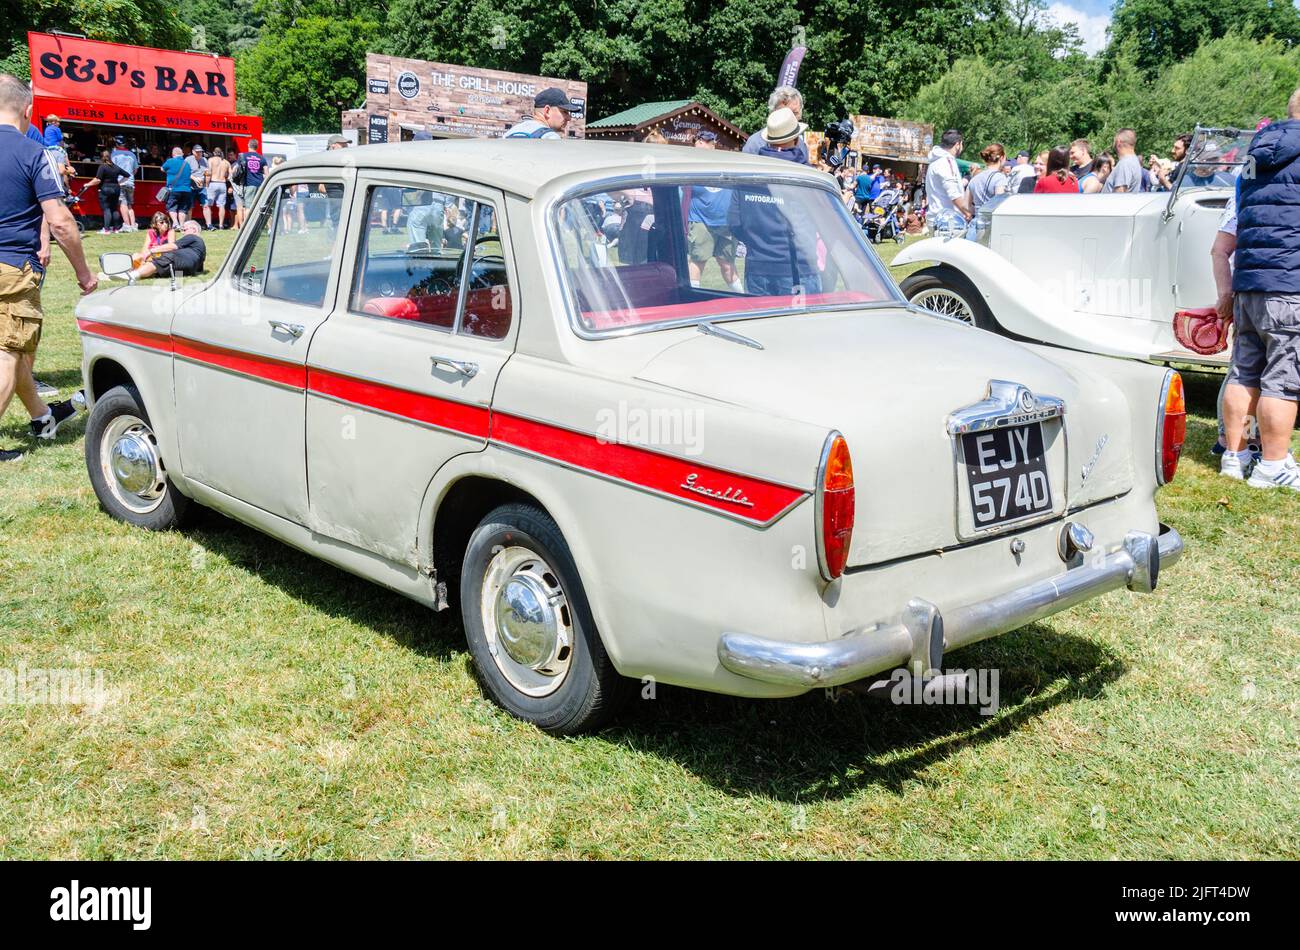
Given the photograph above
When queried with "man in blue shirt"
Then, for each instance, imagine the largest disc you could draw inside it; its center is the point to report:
(31, 208)
(180, 190)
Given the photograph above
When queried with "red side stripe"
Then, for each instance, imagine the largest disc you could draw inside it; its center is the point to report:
(154, 341)
(648, 469)
(262, 367)
(741, 496)
(457, 416)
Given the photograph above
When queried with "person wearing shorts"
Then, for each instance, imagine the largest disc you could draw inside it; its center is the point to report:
(708, 233)
(180, 197)
(126, 160)
(215, 192)
(1265, 375)
(31, 211)
(253, 165)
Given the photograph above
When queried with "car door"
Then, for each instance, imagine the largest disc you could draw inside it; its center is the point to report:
(240, 347)
(400, 378)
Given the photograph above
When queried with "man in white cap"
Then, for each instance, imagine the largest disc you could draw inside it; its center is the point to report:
(551, 109)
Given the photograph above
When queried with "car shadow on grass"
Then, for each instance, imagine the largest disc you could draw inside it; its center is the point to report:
(327, 589)
(803, 749)
(814, 748)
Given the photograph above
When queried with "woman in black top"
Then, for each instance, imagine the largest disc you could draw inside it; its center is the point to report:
(107, 177)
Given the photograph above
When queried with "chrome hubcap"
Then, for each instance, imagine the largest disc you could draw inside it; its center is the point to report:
(946, 302)
(527, 620)
(132, 467)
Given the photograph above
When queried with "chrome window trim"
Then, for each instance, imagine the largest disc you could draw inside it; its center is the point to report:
(367, 186)
(620, 182)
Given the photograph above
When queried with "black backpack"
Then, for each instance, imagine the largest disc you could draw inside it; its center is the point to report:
(237, 172)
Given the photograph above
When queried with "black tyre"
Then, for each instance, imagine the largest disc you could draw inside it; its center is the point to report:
(529, 626)
(946, 290)
(126, 468)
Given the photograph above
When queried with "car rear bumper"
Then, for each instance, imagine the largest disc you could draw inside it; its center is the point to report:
(925, 634)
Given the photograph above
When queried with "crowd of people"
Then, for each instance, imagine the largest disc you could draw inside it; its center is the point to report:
(955, 195)
(194, 180)
(1255, 258)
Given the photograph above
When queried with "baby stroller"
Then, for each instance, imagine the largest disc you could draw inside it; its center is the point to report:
(881, 220)
(74, 205)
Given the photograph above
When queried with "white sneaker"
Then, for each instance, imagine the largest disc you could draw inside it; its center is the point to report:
(1286, 475)
(1231, 466)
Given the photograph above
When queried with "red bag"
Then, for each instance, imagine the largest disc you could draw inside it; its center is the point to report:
(1201, 331)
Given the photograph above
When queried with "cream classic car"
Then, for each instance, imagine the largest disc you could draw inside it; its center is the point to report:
(1100, 273)
(719, 450)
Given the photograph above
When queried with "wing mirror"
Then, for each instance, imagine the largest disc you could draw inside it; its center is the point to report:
(115, 263)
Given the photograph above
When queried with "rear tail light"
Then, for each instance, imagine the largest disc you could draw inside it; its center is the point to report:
(834, 507)
(1171, 427)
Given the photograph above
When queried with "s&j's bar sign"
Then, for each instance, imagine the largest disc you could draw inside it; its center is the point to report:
(91, 71)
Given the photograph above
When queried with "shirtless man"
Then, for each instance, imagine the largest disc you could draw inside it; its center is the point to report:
(218, 182)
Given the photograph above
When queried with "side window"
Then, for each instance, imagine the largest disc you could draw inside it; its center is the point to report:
(252, 266)
(295, 243)
(487, 304)
(417, 245)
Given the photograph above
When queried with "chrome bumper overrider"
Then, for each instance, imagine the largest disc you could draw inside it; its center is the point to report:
(925, 634)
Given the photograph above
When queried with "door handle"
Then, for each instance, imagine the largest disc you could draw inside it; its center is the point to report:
(294, 330)
(468, 370)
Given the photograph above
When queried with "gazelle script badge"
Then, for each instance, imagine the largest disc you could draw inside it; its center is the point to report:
(733, 495)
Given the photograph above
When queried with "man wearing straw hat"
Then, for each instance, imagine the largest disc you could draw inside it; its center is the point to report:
(780, 253)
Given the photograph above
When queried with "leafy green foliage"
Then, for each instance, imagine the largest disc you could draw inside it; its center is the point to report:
(302, 77)
(1166, 31)
(143, 22)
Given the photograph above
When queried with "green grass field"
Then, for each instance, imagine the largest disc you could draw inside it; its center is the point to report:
(259, 704)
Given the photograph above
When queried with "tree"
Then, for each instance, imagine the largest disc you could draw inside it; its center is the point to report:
(301, 77)
(1229, 81)
(142, 22)
(222, 26)
(1167, 31)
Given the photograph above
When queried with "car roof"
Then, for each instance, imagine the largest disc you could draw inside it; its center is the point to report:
(528, 166)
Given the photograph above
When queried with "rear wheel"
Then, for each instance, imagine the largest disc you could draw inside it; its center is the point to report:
(529, 626)
(125, 466)
(947, 291)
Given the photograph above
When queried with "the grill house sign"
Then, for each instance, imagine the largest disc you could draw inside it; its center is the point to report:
(447, 99)
(88, 70)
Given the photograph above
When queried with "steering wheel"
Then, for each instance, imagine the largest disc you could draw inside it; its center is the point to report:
(480, 281)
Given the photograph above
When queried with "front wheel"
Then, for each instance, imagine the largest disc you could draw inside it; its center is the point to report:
(946, 290)
(125, 467)
(529, 626)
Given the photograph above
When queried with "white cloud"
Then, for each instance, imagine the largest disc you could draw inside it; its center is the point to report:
(1092, 26)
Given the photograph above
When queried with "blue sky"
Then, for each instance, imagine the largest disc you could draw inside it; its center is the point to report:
(1090, 16)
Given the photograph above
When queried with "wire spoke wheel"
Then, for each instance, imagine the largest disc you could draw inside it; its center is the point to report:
(945, 302)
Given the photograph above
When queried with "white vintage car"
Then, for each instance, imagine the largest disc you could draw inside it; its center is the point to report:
(1100, 273)
(431, 365)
